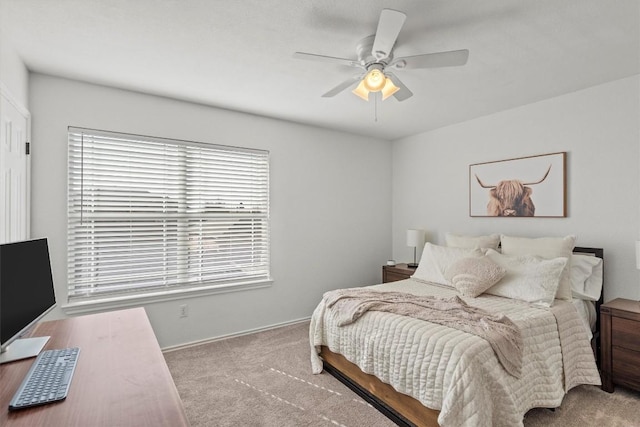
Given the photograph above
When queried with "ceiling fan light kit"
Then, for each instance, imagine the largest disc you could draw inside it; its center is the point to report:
(375, 81)
(375, 54)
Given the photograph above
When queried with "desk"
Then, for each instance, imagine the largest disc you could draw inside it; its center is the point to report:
(121, 377)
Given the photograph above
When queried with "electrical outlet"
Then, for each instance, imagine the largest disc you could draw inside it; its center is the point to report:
(184, 310)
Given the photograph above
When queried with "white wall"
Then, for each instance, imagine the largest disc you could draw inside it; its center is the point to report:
(13, 73)
(333, 195)
(330, 200)
(598, 127)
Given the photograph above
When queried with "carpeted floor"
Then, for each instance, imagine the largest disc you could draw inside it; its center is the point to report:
(265, 380)
(586, 406)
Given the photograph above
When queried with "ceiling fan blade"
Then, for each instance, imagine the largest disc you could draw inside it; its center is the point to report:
(404, 91)
(342, 86)
(432, 60)
(323, 58)
(389, 27)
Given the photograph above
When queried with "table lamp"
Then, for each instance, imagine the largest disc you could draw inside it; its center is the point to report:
(415, 239)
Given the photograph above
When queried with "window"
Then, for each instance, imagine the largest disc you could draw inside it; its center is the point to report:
(149, 215)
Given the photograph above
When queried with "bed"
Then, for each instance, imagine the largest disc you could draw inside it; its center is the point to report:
(432, 374)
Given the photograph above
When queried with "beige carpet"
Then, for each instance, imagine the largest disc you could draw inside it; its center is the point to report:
(590, 406)
(265, 380)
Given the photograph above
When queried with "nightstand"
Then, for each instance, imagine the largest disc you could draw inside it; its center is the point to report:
(396, 272)
(620, 341)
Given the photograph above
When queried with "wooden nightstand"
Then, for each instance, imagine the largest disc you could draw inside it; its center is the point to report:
(620, 338)
(397, 272)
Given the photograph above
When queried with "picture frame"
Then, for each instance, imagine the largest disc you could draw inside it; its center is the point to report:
(533, 186)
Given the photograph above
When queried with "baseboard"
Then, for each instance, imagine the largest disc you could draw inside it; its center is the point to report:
(236, 334)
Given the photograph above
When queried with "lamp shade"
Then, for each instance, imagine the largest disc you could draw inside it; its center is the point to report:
(375, 80)
(389, 89)
(638, 254)
(361, 91)
(415, 238)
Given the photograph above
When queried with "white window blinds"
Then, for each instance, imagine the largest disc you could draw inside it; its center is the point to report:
(152, 214)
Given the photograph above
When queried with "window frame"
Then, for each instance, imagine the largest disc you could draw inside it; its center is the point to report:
(255, 274)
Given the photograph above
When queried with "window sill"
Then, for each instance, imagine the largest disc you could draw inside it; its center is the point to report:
(117, 302)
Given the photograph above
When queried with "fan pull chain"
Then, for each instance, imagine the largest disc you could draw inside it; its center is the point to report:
(375, 107)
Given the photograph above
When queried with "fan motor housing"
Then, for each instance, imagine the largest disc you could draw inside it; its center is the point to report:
(366, 58)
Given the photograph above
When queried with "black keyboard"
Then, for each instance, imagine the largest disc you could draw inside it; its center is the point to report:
(48, 379)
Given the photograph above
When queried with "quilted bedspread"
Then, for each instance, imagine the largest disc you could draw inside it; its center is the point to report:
(456, 372)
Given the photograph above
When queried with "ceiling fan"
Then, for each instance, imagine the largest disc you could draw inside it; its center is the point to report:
(375, 59)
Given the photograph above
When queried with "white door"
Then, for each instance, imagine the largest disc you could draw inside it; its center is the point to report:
(14, 171)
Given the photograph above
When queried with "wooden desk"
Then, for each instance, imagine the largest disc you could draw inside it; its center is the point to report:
(121, 378)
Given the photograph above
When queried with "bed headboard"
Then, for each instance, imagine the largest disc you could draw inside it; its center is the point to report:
(598, 252)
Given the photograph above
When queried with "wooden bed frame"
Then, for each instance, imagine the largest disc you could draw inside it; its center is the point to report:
(400, 408)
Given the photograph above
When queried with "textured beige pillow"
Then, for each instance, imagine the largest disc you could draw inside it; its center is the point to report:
(473, 276)
(546, 248)
(461, 241)
(528, 278)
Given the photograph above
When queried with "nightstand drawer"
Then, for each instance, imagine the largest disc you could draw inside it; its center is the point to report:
(625, 334)
(393, 273)
(392, 276)
(625, 367)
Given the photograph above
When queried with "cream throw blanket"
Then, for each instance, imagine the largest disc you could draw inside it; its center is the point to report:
(502, 334)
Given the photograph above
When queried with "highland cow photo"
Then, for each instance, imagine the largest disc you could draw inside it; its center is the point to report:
(522, 187)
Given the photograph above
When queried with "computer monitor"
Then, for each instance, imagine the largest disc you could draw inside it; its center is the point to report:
(26, 295)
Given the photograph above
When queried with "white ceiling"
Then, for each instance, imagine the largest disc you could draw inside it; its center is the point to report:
(238, 54)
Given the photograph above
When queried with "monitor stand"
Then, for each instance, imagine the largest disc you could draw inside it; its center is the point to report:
(23, 349)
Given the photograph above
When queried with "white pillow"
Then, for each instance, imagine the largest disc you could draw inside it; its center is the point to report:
(461, 241)
(473, 276)
(586, 277)
(528, 278)
(436, 260)
(547, 248)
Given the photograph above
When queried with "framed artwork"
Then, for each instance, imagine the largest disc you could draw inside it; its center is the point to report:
(522, 187)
